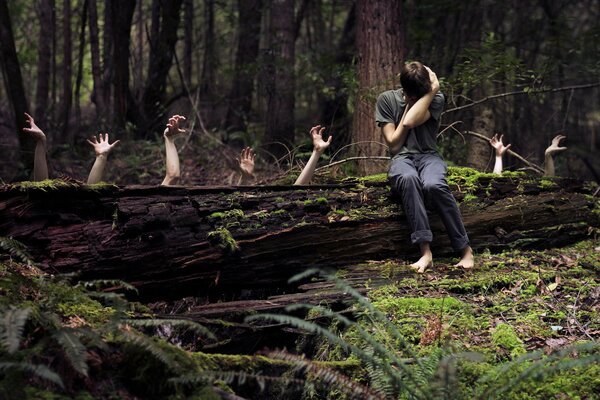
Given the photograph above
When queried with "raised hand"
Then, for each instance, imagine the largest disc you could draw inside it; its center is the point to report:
(555, 146)
(102, 147)
(498, 145)
(173, 126)
(319, 145)
(33, 129)
(246, 161)
(435, 83)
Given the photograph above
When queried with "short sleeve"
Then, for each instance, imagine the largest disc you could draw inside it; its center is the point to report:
(437, 106)
(384, 109)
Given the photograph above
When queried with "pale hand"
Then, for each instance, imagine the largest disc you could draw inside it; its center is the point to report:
(435, 83)
(554, 147)
(33, 129)
(319, 145)
(498, 145)
(102, 147)
(173, 128)
(246, 161)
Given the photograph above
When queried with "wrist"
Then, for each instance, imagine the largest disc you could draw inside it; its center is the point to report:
(102, 156)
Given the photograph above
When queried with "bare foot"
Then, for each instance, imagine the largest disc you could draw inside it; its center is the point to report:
(426, 261)
(467, 261)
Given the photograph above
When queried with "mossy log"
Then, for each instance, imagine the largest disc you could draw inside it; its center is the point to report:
(172, 242)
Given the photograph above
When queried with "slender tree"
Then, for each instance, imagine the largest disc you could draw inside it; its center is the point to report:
(207, 81)
(99, 96)
(188, 40)
(240, 96)
(380, 42)
(67, 66)
(79, 78)
(13, 81)
(281, 94)
(44, 60)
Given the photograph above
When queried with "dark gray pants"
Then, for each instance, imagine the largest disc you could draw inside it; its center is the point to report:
(420, 180)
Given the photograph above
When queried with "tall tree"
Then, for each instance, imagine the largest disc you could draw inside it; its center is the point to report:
(67, 65)
(188, 40)
(380, 42)
(44, 59)
(13, 81)
(207, 81)
(281, 94)
(240, 96)
(79, 78)
(122, 16)
(162, 50)
(99, 96)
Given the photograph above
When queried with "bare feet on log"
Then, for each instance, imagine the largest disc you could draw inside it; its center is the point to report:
(467, 261)
(426, 260)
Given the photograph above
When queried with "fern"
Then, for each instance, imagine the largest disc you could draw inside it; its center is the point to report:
(11, 330)
(104, 283)
(131, 336)
(41, 371)
(16, 249)
(75, 351)
(191, 325)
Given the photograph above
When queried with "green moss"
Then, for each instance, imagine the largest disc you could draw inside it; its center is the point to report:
(505, 337)
(547, 183)
(321, 201)
(100, 186)
(235, 213)
(223, 239)
(45, 185)
(90, 310)
(376, 178)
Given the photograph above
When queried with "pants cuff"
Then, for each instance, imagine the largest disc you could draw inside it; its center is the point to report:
(421, 236)
(460, 243)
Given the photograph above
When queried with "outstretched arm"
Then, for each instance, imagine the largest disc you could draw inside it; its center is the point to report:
(549, 154)
(172, 158)
(500, 150)
(40, 165)
(319, 146)
(246, 161)
(102, 148)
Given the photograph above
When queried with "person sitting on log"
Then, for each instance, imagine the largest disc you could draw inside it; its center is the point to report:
(409, 119)
(102, 148)
(173, 173)
(500, 150)
(549, 154)
(247, 157)
(40, 165)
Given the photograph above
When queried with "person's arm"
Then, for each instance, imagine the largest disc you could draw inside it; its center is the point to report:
(40, 165)
(419, 112)
(319, 146)
(172, 158)
(102, 148)
(549, 155)
(500, 150)
(395, 136)
(246, 161)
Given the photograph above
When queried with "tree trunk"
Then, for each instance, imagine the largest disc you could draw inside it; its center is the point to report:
(240, 96)
(171, 242)
(279, 133)
(43, 62)
(84, 14)
(480, 155)
(188, 37)
(122, 16)
(161, 59)
(107, 59)
(67, 66)
(98, 95)
(13, 82)
(380, 42)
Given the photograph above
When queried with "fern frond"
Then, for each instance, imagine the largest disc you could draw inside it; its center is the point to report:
(39, 370)
(105, 283)
(185, 323)
(146, 343)
(16, 249)
(75, 351)
(329, 376)
(231, 377)
(11, 330)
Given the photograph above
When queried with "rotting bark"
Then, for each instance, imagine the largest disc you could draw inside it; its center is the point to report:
(172, 242)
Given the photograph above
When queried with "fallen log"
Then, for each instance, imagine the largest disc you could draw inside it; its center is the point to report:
(172, 242)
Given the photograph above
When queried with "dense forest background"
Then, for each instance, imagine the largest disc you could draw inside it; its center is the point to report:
(260, 72)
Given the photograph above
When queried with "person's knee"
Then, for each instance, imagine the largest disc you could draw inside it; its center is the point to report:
(433, 187)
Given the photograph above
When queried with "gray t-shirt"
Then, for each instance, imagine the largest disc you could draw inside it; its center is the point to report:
(421, 139)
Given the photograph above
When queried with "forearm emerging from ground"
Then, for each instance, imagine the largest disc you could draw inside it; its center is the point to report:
(40, 165)
(549, 165)
(97, 171)
(172, 163)
(309, 169)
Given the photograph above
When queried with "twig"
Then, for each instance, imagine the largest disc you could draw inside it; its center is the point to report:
(519, 92)
(537, 168)
(353, 159)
